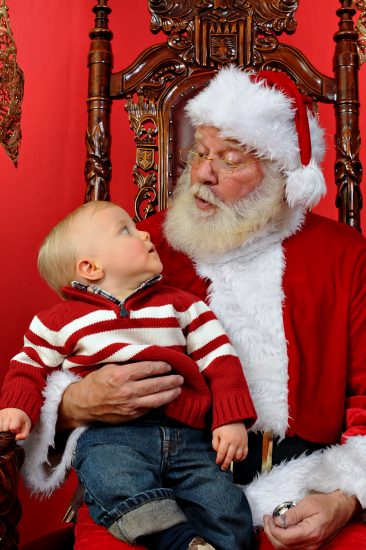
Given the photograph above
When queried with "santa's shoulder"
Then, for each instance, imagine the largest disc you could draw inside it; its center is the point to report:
(318, 235)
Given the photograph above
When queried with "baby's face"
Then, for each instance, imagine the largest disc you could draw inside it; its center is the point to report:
(127, 255)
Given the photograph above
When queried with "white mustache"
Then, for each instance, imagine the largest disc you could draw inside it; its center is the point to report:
(205, 193)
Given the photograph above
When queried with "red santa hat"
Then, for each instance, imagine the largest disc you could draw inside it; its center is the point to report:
(267, 113)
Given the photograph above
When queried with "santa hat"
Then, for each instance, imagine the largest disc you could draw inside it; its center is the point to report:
(267, 113)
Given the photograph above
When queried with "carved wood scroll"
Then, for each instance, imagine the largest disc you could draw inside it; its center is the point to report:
(202, 36)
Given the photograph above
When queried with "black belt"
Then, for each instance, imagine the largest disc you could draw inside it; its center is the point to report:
(266, 450)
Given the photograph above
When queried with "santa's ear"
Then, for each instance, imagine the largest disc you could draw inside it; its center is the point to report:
(89, 270)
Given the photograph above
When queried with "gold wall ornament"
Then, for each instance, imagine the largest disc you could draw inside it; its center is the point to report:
(11, 89)
(361, 28)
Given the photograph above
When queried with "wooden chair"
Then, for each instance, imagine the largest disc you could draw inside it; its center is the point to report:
(202, 36)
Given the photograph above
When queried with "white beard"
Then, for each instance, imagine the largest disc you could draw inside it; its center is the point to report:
(203, 235)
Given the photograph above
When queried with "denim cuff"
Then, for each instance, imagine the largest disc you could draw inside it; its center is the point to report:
(151, 517)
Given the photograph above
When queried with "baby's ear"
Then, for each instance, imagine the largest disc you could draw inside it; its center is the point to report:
(89, 270)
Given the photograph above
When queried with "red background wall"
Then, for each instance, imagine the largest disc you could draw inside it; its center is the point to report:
(52, 41)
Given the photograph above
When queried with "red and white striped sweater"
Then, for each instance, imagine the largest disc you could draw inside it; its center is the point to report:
(156, 323)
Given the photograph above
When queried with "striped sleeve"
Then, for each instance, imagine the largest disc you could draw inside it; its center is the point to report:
(209, 346)
(205, 337)
(26, 378)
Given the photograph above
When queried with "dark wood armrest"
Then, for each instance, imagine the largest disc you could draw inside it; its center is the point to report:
(11, 460)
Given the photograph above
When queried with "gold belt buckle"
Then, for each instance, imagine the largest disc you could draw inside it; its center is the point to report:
(267, 450)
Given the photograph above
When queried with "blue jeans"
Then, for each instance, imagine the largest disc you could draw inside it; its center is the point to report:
(154, 473)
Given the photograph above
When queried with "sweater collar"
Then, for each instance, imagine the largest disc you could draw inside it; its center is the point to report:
(96, 291)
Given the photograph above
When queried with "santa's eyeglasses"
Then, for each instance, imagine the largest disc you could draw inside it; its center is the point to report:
(194, 158)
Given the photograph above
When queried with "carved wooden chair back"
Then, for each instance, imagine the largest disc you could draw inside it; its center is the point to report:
(202, 36)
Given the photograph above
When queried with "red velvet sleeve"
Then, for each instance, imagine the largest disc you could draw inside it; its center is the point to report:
(355, 417)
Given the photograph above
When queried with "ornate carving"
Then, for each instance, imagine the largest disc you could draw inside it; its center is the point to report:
(263, 45)
(214, 32)
(348, 174)
(143, 121)
(11, 460)
(100, 61)
(145, 158)
(11, 89)
(276, 16)
(271, 16)
(224, 48)
(146, 199)
(361, 28)
(152, 88)
(141, 114)
(348, 168)
(169, 15)
(218, 42)
(98, 168)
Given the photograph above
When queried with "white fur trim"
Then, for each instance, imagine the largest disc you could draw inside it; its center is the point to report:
(305, 186)
(254, 273)
(343, 467)
(338, 467)
(257, 116)
(40, 476)
(262, 118)
(287, 481)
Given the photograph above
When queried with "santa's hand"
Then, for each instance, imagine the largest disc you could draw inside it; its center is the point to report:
(118, 393)
(231, 443)
(312, 522)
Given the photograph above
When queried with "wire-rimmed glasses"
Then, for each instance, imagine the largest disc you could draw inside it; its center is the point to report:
(194, 158)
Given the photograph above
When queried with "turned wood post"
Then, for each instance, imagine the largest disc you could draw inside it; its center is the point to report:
(348, 169)
(98, 168)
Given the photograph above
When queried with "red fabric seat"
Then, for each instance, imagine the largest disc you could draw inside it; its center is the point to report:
(93, 537)
(63, 539)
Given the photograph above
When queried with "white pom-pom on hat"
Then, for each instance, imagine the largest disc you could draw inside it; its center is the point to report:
(266, 112)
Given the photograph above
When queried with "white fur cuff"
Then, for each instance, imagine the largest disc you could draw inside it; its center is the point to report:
(338, 467)
(39, 474)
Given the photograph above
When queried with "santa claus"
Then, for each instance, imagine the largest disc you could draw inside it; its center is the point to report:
(289, 287)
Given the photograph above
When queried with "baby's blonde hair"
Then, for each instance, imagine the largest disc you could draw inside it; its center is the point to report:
(57, 254)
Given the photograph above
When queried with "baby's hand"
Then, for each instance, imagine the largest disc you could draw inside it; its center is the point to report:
(15, 421)
(231, 443)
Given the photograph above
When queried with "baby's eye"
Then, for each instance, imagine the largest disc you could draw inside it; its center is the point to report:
(125, 231)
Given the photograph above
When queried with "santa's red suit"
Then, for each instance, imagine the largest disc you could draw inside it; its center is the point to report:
(293, 302)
